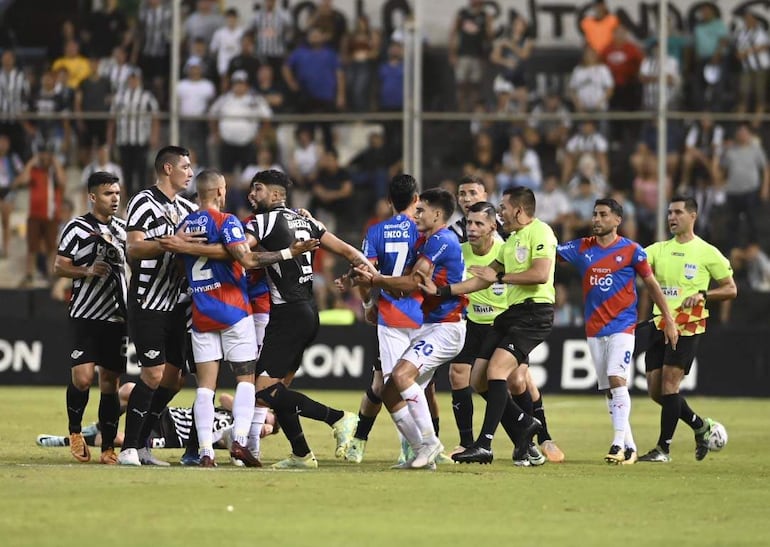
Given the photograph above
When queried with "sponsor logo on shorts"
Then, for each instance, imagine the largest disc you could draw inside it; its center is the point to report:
(151, 354)
(76, 353)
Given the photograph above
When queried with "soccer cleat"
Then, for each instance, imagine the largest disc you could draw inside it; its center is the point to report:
(474, 454)
(702, 440)
(129, 456)
(207, 461)
(406, 453)
(108, 457)
(655, 455)
(615, 455)
(355, 451)
(146, 457)
(521, 456)
(630, 456)
(297, 462)
(191, 459)
(343, 431)
(444, 459)
(51, 440)
(534, 455)
(407, 465)
(552, 451)
(427, 454)
(243, 454)
(79, 448)
(91, 429)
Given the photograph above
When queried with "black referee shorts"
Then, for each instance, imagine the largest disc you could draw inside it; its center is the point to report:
(291, 329)
(159, 336)
(475, 335)
(100, 342)
(519, 330)
(659, 353)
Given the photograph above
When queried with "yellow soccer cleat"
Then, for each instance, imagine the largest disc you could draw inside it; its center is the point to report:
(552, 452)
(295, 462)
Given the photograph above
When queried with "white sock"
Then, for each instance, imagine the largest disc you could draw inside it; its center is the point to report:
(243, 411)
(257, 421)
(407, 427)
(621, 410)
(418, 407)
(203, 410)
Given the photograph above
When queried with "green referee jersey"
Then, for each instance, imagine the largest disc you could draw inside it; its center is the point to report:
(485, 305)
(535, 240)
(683, 269)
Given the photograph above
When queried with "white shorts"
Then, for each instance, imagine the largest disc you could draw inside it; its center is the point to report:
(393, 343)
(260, 323)
(613, 355)
(237, 343)
(432, 345)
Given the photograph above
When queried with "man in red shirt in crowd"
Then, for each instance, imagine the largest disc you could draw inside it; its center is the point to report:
(623, 58)
(45, 177)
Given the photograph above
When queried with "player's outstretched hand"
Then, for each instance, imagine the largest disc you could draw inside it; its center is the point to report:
(485, 273)
(671, 334)
(298, 247)
(98, 269)
(425, 283)
(363, 276)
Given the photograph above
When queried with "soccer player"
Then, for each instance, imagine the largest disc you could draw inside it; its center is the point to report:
(156, 330)
(526, 261)
(684, 267)
(441, 335)
(470, 190)
(92, 252)
(609, 265)
(293, 317)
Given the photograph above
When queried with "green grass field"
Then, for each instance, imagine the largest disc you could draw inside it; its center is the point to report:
(49, 499)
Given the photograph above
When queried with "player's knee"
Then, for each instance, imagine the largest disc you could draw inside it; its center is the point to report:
(244, 368)
(273, 395)
(402, 378)
(459, 376)
(151, 376)
(517, 383)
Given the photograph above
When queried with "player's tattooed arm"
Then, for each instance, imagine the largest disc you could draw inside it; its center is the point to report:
(252, 260)
(193, 244)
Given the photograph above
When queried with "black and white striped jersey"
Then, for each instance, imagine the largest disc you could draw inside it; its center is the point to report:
(155, 282)
(14, 93)
(289, 280)
(84, 240)
(155, 25)
(271, 29)
(134, 110)
(175, 424)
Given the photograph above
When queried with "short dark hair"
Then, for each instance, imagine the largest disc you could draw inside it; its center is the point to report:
(443, 199)
(272, 177)
(470, 179)
(523, 197)
(401, 191)
(169, 154)
(100, 177)
(484, 207)
(615, 207)
(690, 205)
(205, 177)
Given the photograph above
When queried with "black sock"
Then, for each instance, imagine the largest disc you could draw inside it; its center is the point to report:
(462, 406)
(109, 415)
(365, 424)
(192, 445)
(689, 417)
(290, 400)
(524, 400)
(539, 412)
(138, 407)
(160, 400)
(435, 421)
(76, 406)
(508, 421)
(669, 416)
(289, 422)
(497, 398)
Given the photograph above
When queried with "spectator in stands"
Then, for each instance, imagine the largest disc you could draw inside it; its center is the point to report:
(134, 130)
(702, 151)
(586, 141)
(313, 72)
(591, 85)
(369, 169)
(623, 58)
(101, 161)
(755, 262)
(152, 46)
(106, 29)
(645, 188)
(200, 49)
(510, 54)
(391, 93)
(53, 132)
(565, 313)
(332, 192)
(304, 165)
(598, 27)
(226, 41)
(10, 167)
(272, 27)
(520, 166)
(648, 145)
(67, 33)
(484, 159)
(469, 42)
(93, 96)
(271, 90)
(77, 66)
(203, 22)
(332, 24)
(246, 61)
(194, 95)
(14, 97)
(553, 204)
(45, 177)
(627, 226)
(579, 220)
(587, 168)
(747, 181)
(649, 73)
(264, 161)
(548, 136)
(711, 45)
(116, 69)
(363, 49)
(752, 47)
(235, 127)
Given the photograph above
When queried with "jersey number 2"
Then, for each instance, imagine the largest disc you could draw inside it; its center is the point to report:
(199, 270)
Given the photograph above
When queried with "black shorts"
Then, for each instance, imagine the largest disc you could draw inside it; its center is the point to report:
(475, 335)
(159, 336)
(659, 353)
(101, 342)
(520, 329)
(291, 329)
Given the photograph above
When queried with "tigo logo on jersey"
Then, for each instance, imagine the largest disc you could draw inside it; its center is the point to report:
(690, 270)
(604, 282)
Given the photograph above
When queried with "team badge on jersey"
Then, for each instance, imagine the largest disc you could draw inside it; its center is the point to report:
(690, 270)
(522, 253)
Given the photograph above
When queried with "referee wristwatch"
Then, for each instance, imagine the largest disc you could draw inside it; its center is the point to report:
(500, 276)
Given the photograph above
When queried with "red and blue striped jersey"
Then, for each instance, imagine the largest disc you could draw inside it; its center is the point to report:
(609, 282)
(257, 286)
(218, 286)
(389, 244)
(443, 251)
